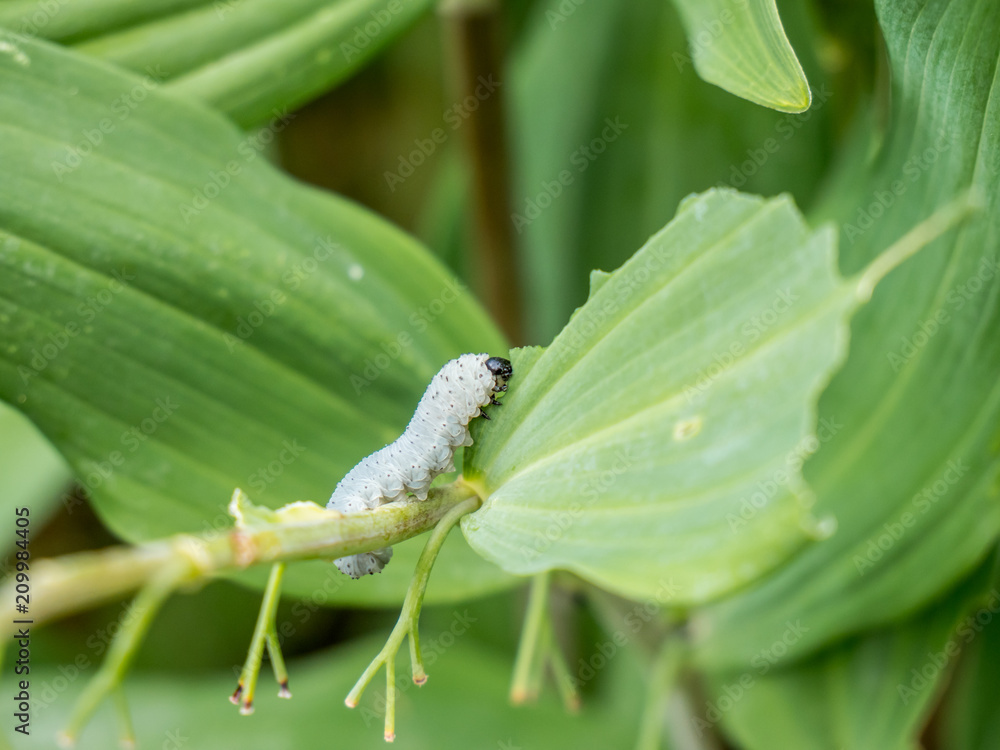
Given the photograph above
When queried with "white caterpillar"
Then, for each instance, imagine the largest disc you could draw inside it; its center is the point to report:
(426, 449)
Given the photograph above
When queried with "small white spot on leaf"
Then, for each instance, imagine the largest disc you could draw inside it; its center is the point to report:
(15, 53)
(686, 429)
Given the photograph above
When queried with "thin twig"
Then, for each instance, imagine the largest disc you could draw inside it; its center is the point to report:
(123, 649)
(263, 633)
(662, 681)
(530, 661)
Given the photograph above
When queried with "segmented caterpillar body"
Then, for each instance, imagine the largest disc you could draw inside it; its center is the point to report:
(439, 426)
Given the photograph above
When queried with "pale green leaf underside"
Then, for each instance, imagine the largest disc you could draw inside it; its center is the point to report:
(139, 327)
(914, 476)
(740, 46)
(629, 450)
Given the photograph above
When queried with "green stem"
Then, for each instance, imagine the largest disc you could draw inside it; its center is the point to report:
(924, 233)
(417, 659)
(564, 679)
(124, 719)
(75, 582)
(523, 687)
(540, 660)
(662, 680)
(123, 648)
(277, 662)
(247, 685)
(407, 622)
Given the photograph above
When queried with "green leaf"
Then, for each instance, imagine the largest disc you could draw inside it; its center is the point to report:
(872, 692)
(914, 475)
(32, 473)
(295, 64)
(463, 706)
(740, 46)
(182, 319)
(248, 58)
(64, 21)
(658, 440)
(586, 194)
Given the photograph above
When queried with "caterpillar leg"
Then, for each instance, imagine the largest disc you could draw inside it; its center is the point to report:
(365, 563)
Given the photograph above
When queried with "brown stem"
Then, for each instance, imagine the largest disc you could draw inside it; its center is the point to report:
(473, 28)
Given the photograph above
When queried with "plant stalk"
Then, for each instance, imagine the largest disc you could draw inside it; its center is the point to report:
(474, 28)
(75, 582)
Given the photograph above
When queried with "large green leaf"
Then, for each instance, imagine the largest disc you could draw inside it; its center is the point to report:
(659, 438)
(82, 19)
(740, 46)
(32, 473)
(913, 477)
(872, 692)
(248, 58)
(463, 706)
(181, 319)
(587, 194)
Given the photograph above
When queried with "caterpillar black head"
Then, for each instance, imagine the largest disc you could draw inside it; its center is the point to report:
(501, 370)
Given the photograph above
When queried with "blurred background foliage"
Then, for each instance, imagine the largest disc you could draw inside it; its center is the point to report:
(812, 656)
